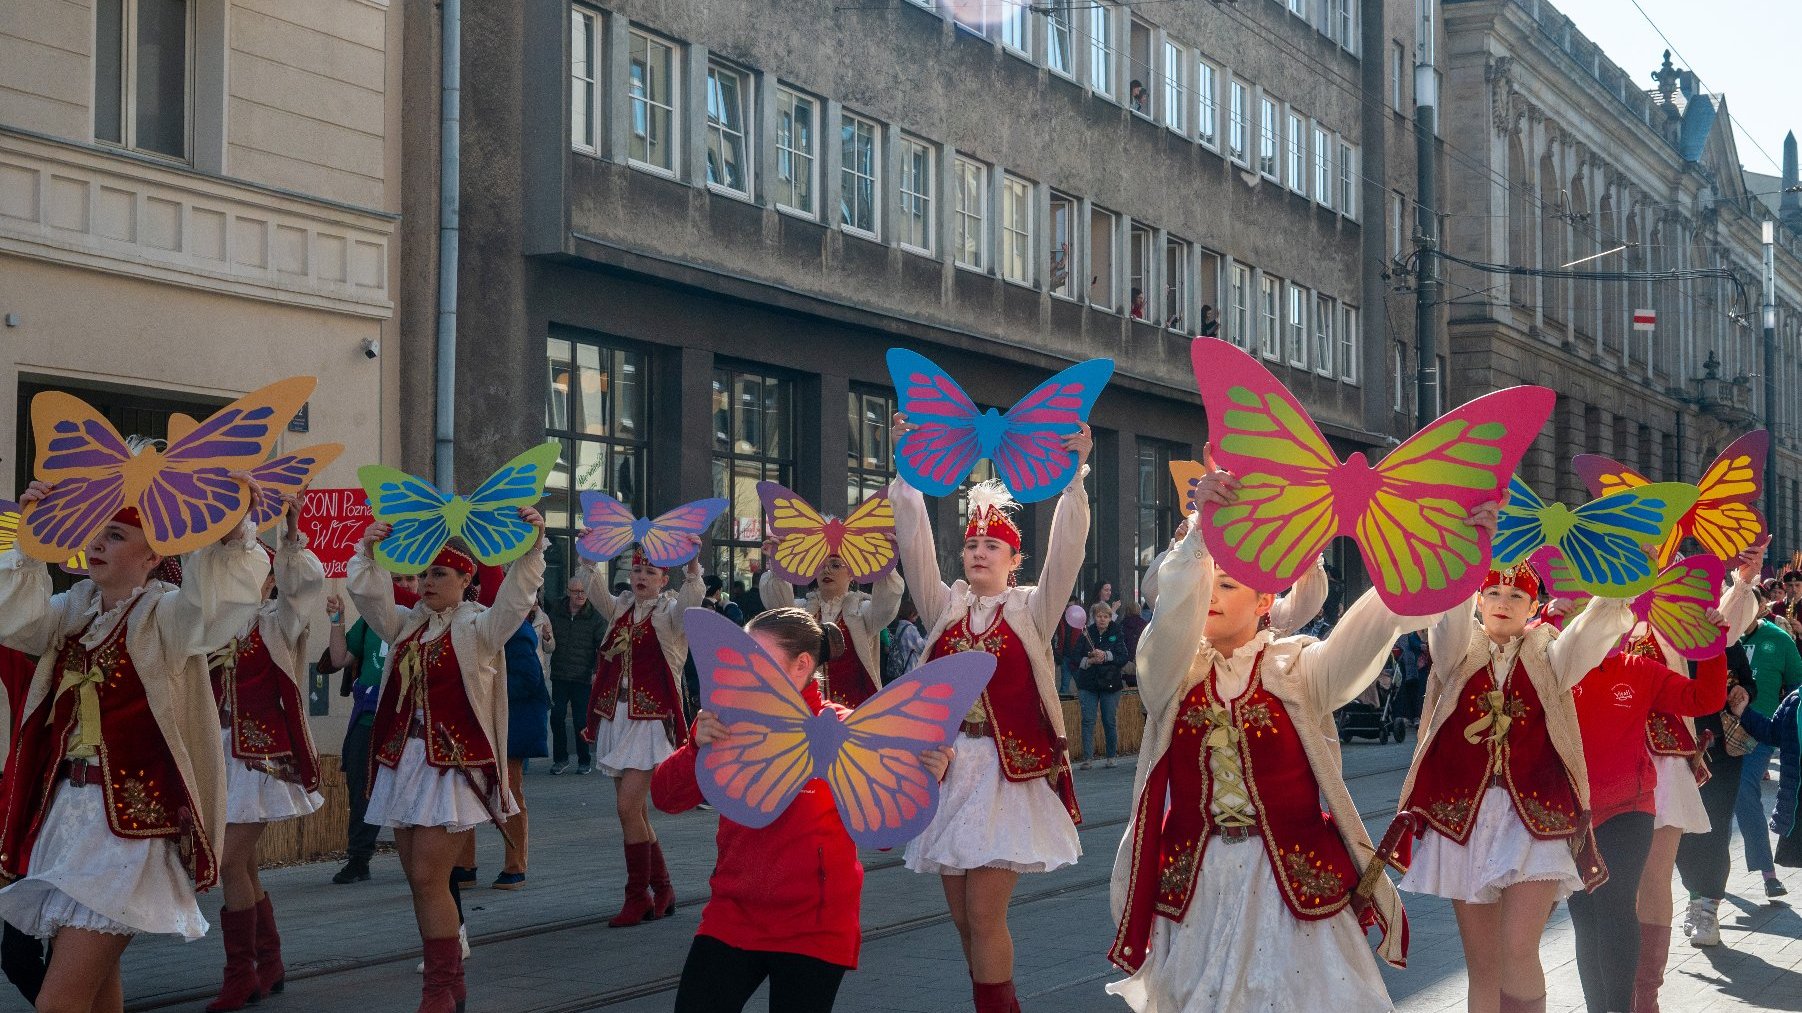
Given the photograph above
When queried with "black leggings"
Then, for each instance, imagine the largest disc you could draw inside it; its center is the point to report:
(1606, 920)
(1704, 860)
(720, 979)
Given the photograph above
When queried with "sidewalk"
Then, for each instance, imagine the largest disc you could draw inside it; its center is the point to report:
(546, 949)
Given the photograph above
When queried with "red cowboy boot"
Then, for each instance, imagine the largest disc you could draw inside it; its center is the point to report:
(239, 928)
(663, 895)
(443, 977)
(1654, 951)
(638, 905)
(272, 977)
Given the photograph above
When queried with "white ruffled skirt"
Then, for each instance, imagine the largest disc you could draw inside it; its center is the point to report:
(1500, 854)
(626, 743)
(1679, 801)
(252, 796)
(986, 821)
(414, 793)
(1240, 948)
(84, 876)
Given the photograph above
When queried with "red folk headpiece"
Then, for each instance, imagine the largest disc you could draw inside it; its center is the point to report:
(989, 514)
(640, 559)
(451, 559)
(128, 516)
(1520, 576)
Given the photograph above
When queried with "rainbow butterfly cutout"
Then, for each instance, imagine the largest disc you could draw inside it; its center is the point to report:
(1026, 443)
(865, 540)
(870, 759)
(426, 517)
(1408, 514)
(1725, 518)
(670, 539)
(1603, 541)
(1675, 605)
(184, 494)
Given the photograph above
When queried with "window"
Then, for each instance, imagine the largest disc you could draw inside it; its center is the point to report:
(753, 441)
(969, 243)
(1101, 48)
(653, 87)
(797, 151)
(1237, 128)
(869, 465)
(141, 74)
(1139, 272)
(1298, 8)
(1298, 154)
(1399, 380)
(1176, 88)
(1398, 72)
(1348, 186)
(1346, 13)
(1175, 311)
(1016, 229)
(581, 79)
(916, 194)
(1060, 54)
(1298, 326)
(1207, 118)
(1270, 315)
(1349, 343)
(1398, 225)
(1141, 65)
(1159, 508)
(1013, 25)
(728, 155)
(1063, 245)
(1102, 239)
(598, 409)
(1267, 138)
(1325, 351)
(1238, 321)
(1323, 167)
(860, 175)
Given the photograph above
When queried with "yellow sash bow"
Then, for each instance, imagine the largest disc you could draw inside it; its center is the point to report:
(1495, 720)
(411, 669)
(1223, 732)
(86, 682)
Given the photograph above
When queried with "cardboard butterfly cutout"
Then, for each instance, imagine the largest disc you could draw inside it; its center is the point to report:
(1603, 541)
(669, 539)
(425, 517)
(870, 760)
(1026, 443)
(865, 540)
(1675, 606)
(1408, 513)
(1725, 518)
(9, 537)
(185, 494)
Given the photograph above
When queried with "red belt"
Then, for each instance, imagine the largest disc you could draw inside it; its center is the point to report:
(978, 729)
(81, 773)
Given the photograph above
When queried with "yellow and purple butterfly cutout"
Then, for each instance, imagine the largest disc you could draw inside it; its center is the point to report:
(869, 759)
(670, 539)
(806, 538)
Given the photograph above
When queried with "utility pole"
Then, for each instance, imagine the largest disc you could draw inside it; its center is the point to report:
(1428, 383)
(450, 186)
(1770, 357)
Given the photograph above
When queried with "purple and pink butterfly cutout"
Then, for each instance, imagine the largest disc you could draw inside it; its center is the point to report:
(669, 539)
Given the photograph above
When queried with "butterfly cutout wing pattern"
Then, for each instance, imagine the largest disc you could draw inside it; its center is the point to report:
(9, 537)
(1603, 541)
(869, 760)
(1408, 514)
(671, 538)
(184, 494)
(1026, 443)
(1675, 604)
(425, 517)
(1725, 519)
(805, 538)
(286, 474)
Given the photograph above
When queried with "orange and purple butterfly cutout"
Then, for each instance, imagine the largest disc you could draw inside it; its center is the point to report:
(670, 539)
(776, 743)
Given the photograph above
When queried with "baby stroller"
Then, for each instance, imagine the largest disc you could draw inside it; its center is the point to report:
(1376, 713)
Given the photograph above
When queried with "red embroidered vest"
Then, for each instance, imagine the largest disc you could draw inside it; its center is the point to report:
(145, 794)
(261, 706)
(848, 683)
(1011, 708)
(424, 676)
(632, 668)
(1307, 856)
(1495, 730)
(1667, 735)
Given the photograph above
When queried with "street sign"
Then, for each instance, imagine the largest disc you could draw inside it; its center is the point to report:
(1645, 320)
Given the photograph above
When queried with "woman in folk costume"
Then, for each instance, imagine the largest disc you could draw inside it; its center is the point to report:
(635, 714)
(1498, 792)
(860, 617)
(271, 768)
(1239, 750)
(1291, 611)
(439, 744)
(120, 711)
(1007, 806)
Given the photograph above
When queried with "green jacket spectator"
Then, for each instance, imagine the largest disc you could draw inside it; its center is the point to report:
(1776, 664)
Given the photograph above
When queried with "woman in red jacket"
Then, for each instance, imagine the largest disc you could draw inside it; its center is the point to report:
(785, 898)
(1613, 703)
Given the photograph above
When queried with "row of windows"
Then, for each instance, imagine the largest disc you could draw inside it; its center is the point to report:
(1286, 322)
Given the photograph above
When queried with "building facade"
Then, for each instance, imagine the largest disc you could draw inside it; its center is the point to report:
(197, 198)
(1558, 161)
(693, 237)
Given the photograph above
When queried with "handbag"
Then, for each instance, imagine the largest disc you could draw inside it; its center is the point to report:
(1734, 737)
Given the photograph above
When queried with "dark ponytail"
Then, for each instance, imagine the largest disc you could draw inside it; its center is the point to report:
(799, 633)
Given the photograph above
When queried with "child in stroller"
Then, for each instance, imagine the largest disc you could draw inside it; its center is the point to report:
(1376, 713)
